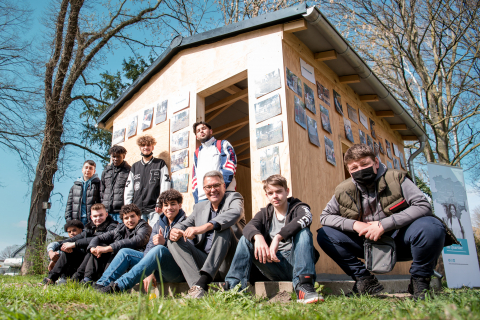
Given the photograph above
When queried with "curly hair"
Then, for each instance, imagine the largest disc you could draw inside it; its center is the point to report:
(196, 124)
(117, 150)
(73, 223)
(146, 140)
(130, 208)
(169, 195)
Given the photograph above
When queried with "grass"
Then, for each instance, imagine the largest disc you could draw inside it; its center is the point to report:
(21, 298)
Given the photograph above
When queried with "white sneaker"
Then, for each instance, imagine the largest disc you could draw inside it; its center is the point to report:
(196, 292)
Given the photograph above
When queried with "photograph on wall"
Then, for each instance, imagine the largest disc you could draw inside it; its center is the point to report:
(309, 99)
(300, 113)
(396, 152)
(179, 140)
(180, 120)
(396, 164)
(370, 141)
(161, 112)
(324, 115)
(180, 181)
(376, 149)
(323, 94)
(337, 100)
(147, 119)
(118, 136)
(389, 149)
(402, 162)
(389, 165)
(294, 82)
(372, 129)
(330, 151)
(179, 160)
(380, 147)
(352, 113)
(313, 131)
(363, 119)
(348, 129)
(307, 71)
(269, 162)
(132, 127)
(181, 101)
(268, 83)
(363, 138)
(267, 108)
(270, 134)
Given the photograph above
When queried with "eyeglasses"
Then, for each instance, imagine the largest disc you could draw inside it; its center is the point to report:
(215, 186)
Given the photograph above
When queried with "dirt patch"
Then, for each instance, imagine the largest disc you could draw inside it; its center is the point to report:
(281, 297)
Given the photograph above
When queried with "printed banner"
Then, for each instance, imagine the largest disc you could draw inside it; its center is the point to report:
(450, 203)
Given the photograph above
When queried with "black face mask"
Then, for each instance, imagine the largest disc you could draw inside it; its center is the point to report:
(146, 155)
(365, 176)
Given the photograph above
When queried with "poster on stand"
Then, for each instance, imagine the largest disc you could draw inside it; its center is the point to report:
(450, 203)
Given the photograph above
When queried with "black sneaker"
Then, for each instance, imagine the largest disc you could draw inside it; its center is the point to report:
(306, 292)
(111, 288)
(367, 285)
(47, 282)
(225, 286)
(97, 286)
(86, 283)
(419, 287)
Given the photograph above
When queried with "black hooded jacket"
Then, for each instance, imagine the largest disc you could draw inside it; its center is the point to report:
(74, 202)
(83, 239)
(112, 186)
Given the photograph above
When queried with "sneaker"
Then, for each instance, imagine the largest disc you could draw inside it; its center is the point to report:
(86, 282)
(47, 282)
(111, 288)
(306, 292)
(367, 285)
(225, 286)
(76, 277)
(196, 292)
(419, 287)
(97, 286)
(61, 281)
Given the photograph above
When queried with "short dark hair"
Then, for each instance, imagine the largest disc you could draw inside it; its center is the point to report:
(356, 152)
(117, 149)
(98, 206)
(74, 223)
(196, 124)
(275, 180)
(169, 195)
(129, 208)
(90, 162)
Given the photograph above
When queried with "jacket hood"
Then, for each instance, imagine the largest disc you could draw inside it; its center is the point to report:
(94, 178)
(164, 218)
(293, 203)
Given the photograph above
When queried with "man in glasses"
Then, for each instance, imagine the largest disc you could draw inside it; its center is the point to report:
(214, 226)
(212, 154)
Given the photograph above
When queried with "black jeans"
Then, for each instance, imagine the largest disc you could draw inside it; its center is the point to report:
(96, 266)
(67, 264)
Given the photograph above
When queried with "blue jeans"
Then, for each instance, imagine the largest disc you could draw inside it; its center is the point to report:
(116, 217)
(299, 260)
(421, 241)
(138, 264)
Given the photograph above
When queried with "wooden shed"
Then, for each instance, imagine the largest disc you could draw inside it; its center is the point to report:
(285, 89)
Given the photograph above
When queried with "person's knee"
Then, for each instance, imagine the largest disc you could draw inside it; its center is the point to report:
(322, 236)
(430, 230)
(304, 234)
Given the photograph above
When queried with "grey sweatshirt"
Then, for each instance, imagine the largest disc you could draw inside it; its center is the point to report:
(418, 207)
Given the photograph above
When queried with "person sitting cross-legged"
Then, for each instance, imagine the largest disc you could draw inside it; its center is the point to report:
(114, 279)
(279, 243)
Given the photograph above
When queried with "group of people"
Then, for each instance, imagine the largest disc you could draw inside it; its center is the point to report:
(129, 225)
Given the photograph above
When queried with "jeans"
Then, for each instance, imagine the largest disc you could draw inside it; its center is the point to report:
(297, 261)
(116, 217)
(421, 241)
(84, 220)
(139, 266)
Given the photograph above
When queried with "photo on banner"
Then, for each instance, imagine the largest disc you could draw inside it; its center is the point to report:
(389, 149)
(161, 111)
(313, 131)
(323, 93)
(330, 151)
(363, 138)
(147, 119)
(294, 82)
(180, 120)
(269, 162)
(180, 181)
(270, 134)
(300, 113)
(324, 115)
(267, 83)
(352, 113)
(337, 99)
(118, 136)
(267, 108)
(348, 129)
(179, 160)
(132, 127)
(179, 140)
(309, 99)
(363, 119)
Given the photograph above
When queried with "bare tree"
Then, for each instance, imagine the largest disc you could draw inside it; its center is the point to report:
(476, 217)
(8, 252)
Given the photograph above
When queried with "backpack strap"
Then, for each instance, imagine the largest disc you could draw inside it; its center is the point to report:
(219, 146)
(196, 152)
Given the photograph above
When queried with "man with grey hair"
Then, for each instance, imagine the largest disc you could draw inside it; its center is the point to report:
(215, 227)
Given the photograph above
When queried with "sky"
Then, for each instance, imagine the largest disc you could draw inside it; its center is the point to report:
(15, 190)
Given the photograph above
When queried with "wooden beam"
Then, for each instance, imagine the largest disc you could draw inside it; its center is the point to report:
(410, 138)
(245, 157)
(223, 102)
(241, 142)
(240, 150)
(215, 114)
(398, 127)
(223, 84)
(353, 78)
(234, 89)
(326, 55)
(385, 114)
(231, 132)
(231, 125)
(369, 98)
(295, 26)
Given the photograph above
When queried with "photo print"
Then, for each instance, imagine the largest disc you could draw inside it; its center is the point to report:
(330, 151)
(402, 162)
(147, 119)
(337, 99)
(352, 113)
(294, 82)
(180, 120)
(313, 131)
(396, 164)
(370, 141)
(323, 94)
(300, 113)
(372, 129)
(118, 136)
(380, 147)
(270, 134)
(309, 99)
(389, 150)
(179, 140)
(180, 181)
(389, 165)
(363, 119)
(267, 83)
(269, 162)
(348, 129)
(376, 149)
(396, 152)
(324, 115)
(132, 127)
(267, 108)
(179, 161)
(161, 112)
(363, 138)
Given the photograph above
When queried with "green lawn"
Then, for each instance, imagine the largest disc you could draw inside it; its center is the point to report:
(22, 298)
